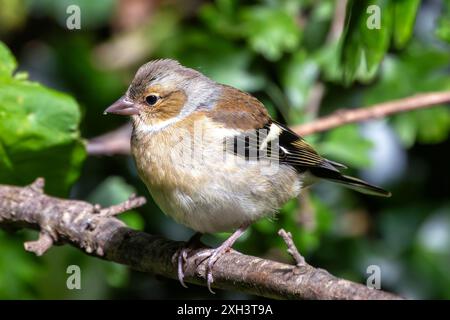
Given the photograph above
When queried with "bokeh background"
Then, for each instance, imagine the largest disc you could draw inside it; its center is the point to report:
(303, 59)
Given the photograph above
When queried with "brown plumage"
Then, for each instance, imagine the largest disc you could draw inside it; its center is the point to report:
(239, 110)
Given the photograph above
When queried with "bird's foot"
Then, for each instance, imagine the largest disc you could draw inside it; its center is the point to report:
(182, 256)
(192, 243)
(215, 254)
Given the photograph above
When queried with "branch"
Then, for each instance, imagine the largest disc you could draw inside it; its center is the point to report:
(292, 249)
(114, 142)
(338, 22)
(100, 234)
(118, 141)
(375, 111)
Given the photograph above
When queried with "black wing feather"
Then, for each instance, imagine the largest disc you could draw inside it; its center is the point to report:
(284, 146)
(279, 143)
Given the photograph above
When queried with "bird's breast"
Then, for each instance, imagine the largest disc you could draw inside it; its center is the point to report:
(204, 188)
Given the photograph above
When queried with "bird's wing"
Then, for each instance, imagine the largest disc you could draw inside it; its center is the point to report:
(239, 110)
(276, 142)
(295, 151)
(262, 137)
(259, 137)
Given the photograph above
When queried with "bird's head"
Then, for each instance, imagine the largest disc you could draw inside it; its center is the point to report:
(163, 92)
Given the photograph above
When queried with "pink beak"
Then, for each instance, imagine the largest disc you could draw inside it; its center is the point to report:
(123, 107)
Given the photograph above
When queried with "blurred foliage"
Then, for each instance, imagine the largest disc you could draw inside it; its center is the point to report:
(95, 13)
(115, 190)
(367, 38)
(443, 29)
(38, 132)
(285, 53)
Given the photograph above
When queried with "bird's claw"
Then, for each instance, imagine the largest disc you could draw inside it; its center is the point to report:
(209, 276)
(193, 242)
(212, 255)
(182, 256)
(209, 282)
(215, 255)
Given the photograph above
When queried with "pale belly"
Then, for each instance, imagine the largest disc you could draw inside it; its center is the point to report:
(213, 194)
(218, 199)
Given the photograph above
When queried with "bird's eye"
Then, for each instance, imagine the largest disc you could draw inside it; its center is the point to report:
(151, 99)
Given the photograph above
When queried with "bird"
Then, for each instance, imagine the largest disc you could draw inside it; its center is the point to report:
(212, 157)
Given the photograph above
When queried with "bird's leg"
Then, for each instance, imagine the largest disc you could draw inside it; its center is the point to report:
(182, 255)
(216, 253)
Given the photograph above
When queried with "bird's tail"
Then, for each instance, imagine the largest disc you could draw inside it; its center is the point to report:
(351, 182)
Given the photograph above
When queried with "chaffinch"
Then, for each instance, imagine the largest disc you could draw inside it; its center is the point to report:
(212, 157)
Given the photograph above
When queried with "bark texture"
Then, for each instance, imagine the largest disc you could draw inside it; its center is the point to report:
(96, 231)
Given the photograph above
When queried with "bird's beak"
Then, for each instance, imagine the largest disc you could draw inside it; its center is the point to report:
(123, 106)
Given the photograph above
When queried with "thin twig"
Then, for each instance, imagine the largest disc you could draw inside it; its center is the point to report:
(314, 100)
(132, 203)
(110, 143)
(292, 249)
(41, 245)
(338, 22)
(342, 117)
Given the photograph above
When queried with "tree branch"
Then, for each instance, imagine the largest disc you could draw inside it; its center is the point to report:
(375, 111)
(88, 228)
(338, 22)
(110, 143)
(118, 141)
(292, 249)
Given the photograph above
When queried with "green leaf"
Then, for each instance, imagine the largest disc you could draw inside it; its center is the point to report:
(426, 126)
(404, 17)
(7, 62)
(230, 65)
(221, 17)
(317, 27)
(298, 77)
(406, 128)
(443, 31)
(38, 135)
(417, 69)
(270, 31)
(328, 58)
(366, 38)
(443, 26)
(439, 118)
